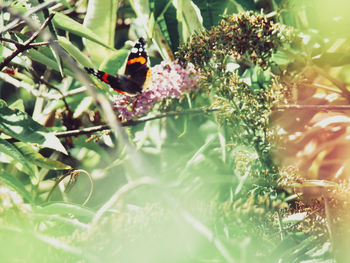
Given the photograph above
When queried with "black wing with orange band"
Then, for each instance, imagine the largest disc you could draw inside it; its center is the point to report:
(136, 72)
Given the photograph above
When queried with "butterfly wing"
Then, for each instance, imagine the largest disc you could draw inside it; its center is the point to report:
(136, 67)
(114, 82)
(136, 72)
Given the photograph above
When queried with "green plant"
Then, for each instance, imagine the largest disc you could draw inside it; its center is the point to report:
(236, 152)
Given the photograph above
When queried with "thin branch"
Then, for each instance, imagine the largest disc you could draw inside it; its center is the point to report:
(17, 44)
(320, 86)
(26, 45)
(18, 20)
(82, 131)
(11, 41)
(196, 111)
(337, 83)
(39, 44)
(132, 122)
(313, 107)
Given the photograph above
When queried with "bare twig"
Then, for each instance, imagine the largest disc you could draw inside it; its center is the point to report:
(337, 83)
(82, 131)
(18, 20)
(196, 111)
(131, 122)
(17, 44)
(26, 45)
(313, 107)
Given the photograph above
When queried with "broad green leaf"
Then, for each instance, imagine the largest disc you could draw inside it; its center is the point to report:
(47, 61)
(66, 208)
(212, 11)
(83, 106)
(246, 4)
(47, 51)
(101, 17)
(75, 52)
(162, 38)
(22, 127)
(281, 58)
(189, 18)
(198, 156)
(166, 27)
(38, 15)
(115, 63)
(142, 9)
(16, 185)
(19, 7)
(18, 104)
(12, 151)
(66, 23)
(58, 60)
(36, 158)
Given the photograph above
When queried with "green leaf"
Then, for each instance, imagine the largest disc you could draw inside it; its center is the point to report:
(66, 208)
(83, 106)
(281, 58)
(211, 11)
(47, 51)
(246, 4)
(114, 64)
(47, 61)
(101, 19)
(18, 104)
(189, 18)
(66, 23)
(36, 158)
(75, 52)
(12, 151)
(74, 223)
(58, 60)
(16, 185)
(20, 126)
(166, 25)
(141, 9)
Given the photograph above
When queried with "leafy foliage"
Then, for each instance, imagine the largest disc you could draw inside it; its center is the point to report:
(236, 152)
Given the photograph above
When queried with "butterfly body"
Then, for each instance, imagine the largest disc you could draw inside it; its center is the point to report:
(136, 72)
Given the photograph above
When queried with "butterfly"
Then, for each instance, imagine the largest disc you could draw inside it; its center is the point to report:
(136, 74)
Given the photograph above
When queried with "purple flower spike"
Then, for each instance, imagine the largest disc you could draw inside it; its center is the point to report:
(169, 80)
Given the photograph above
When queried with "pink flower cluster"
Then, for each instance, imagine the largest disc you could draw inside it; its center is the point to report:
(168, 80)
